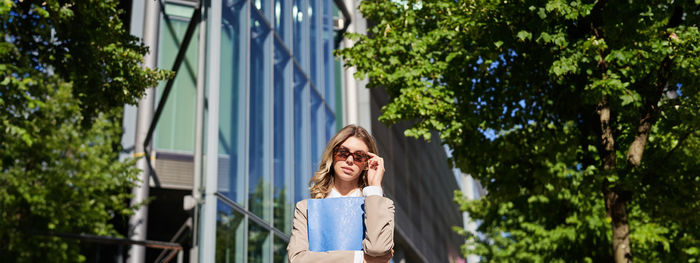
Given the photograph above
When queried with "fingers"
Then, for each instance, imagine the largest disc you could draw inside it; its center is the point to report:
(375, 167)
(375, 162)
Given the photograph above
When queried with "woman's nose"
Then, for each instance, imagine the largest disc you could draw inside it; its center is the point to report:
(349, 160)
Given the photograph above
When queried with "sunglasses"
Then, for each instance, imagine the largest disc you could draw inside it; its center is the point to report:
(359, 157)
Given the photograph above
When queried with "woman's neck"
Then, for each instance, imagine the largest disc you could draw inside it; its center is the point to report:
(345, 188)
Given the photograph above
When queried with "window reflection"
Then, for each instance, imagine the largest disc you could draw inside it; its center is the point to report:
(258, 244)
(298, 17)
(229, 234)
(313, 43)
(316, 124)
(231, 106)
(281, 147)
(281, 16)
(330, 125)
(301, 137)
(262, 6)
(258, 181)
(273, 121)
(280, 247)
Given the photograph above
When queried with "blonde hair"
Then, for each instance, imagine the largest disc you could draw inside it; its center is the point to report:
(322, 182)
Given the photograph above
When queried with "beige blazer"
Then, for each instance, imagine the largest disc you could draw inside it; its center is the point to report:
(379, 233)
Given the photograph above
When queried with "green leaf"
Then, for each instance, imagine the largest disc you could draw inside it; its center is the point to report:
(546, 38)
(541, 13)
(6, 6)
(498, 44)
(630, 98)
(524, 35)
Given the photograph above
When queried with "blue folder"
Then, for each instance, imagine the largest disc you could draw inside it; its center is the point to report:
(336, 223)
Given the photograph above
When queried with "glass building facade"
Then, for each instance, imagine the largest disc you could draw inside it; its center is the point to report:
(270, 108)
(273, 97)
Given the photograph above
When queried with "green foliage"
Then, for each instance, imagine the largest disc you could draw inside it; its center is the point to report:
(533, 74)
(66, 69)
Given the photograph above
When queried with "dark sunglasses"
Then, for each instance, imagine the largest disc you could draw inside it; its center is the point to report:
(342, 153)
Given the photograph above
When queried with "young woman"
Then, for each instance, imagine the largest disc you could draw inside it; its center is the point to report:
(350, 167)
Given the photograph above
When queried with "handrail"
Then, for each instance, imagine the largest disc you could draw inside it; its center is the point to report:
(120, 241)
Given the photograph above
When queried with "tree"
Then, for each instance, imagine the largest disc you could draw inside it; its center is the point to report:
(66, 69)
(580, 118)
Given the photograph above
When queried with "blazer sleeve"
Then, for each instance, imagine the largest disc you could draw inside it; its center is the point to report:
(379, 223)
(298, 248)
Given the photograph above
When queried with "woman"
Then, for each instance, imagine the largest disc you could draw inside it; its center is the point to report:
(349, 167)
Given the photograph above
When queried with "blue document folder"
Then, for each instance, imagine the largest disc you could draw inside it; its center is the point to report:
(336, 223)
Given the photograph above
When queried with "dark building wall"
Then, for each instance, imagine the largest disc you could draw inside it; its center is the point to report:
(165, 217)
(419, 180)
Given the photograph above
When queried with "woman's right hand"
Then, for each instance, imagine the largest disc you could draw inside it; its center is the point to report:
(375, 171)
(379, 259)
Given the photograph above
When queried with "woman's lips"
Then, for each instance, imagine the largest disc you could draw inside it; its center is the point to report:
(347, 170)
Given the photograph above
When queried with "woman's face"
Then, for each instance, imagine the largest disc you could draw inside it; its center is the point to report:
(349, 170)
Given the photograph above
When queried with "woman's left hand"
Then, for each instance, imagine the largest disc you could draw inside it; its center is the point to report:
(375, 170)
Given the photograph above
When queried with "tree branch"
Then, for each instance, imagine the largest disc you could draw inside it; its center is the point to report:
(651, 110)
(649, 116)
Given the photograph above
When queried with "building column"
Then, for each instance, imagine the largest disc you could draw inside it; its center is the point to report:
(197, 188)
(207, 211)
(357, 99)
(138, 222)
(470, 192)
(350, 113)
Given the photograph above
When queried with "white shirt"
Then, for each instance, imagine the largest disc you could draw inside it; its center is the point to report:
(367, 191)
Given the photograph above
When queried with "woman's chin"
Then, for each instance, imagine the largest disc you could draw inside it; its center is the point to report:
(347, 178)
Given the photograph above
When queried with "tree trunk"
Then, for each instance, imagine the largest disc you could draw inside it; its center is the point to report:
(617, 211)
(616, 208)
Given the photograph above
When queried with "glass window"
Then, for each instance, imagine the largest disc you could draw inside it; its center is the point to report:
(258, 167)
(229, 234)
(301, 136)
(263, 6)
(175, 129)
(298, 8)
(328, 59)
(258, 243)
(314, 33)
(330, 125)
(281, 145)
(231, 101)
(329, 80)
(277, 111)
(338, 93)
(316, 126)
(282, 18)
(328, 74)
(328, 16)
(280, 253)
